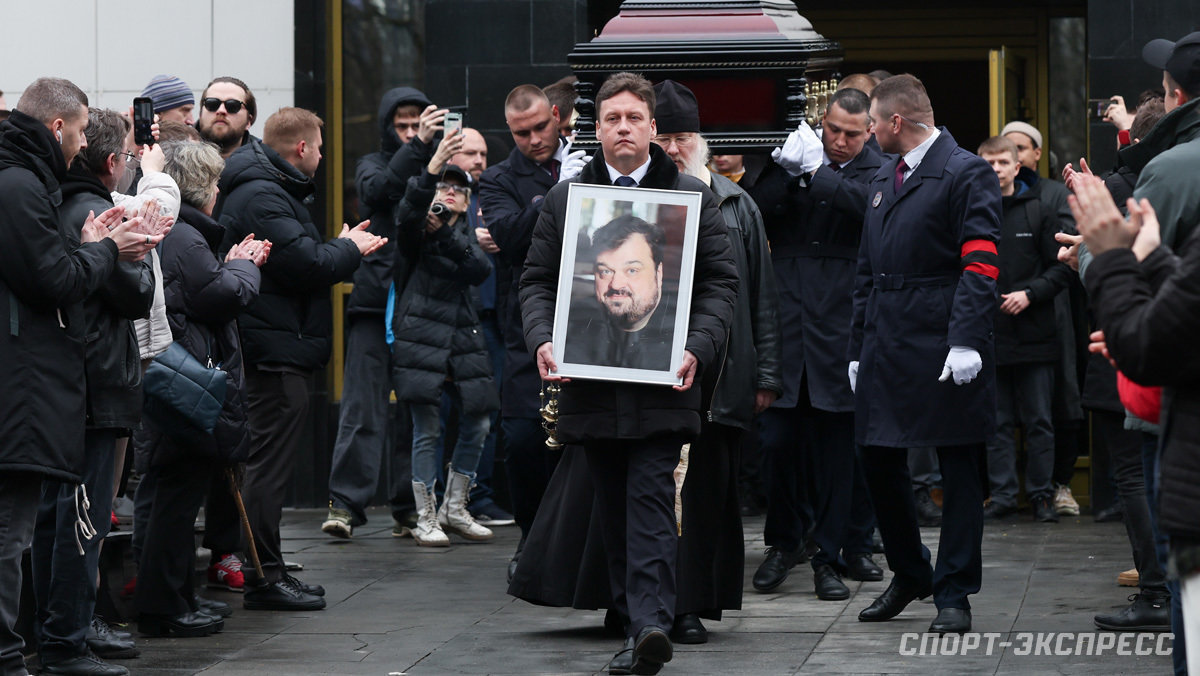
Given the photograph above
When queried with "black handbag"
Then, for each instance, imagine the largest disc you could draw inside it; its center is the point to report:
(181, 396)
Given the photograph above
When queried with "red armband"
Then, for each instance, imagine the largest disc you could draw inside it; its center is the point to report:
(979, 256)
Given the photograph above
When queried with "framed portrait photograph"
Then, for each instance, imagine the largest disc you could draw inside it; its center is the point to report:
(625, 283)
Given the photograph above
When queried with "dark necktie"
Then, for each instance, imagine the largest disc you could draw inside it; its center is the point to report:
(626, 182)
(551, 167)
(835, 167)
(900, 169)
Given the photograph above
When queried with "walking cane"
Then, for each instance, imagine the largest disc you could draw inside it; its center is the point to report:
(241, 506)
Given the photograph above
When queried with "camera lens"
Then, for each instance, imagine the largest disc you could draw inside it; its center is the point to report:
(440, 210)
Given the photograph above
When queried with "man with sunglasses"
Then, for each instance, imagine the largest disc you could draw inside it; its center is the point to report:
(921, 348)
(227, 109)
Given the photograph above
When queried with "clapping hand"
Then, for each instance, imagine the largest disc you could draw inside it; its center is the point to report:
(1070, 176)
(1099, 221)
(367, 243)
(254, 250)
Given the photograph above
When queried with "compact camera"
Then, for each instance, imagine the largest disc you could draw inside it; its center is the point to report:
(441, 211)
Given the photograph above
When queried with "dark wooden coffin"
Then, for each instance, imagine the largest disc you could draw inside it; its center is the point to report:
(756, 66)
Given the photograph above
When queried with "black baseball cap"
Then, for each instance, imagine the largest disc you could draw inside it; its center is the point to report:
(457, 173)
(1181, 59)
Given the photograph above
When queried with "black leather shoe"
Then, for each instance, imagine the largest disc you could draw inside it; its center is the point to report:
(829, 586)
(1043, 511)
(313, 589)
(994, 512)
(651, 650)
(218, 622)
(893, 601)
(951, 621)
(876, 542)
(109, 644)
(187, 625)
(87, 664)
(213, 607)
(622, 662)
(863, 568)
(280, 596)
(1110, 514)
(688, 629)
(774, 569)
(928, 513)
(1150, 611)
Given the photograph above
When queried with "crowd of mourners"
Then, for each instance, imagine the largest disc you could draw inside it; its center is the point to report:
(875, 313)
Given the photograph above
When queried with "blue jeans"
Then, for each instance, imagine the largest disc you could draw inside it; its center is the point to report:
(64, 582)
(1161, 541)
(427, 430)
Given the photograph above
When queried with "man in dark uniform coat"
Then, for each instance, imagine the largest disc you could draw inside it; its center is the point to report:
(813, 199)
(510, 196)
(924, 299)
(632, 433)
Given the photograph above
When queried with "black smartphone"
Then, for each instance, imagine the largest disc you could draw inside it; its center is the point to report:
(143, 118)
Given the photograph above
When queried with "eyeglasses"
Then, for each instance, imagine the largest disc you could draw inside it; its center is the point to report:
(232, 106)
(130, 157)
(682, 141)
(460, 189)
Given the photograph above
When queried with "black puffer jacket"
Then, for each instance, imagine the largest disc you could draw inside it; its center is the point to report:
(291, 323)
(381, 179)
(753, 354)
(1029, 262)
(42, 389)
(114, 367)
(591, 410)
(204, 298)
(1150, 315)
(435, 325)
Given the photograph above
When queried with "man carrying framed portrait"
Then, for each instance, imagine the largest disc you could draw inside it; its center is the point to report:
(632, 429)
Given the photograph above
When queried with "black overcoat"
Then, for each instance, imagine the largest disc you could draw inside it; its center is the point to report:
(814, 231)
(913, 299)
(510, 196)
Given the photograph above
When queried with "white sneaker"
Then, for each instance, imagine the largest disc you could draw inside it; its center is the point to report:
(337, 524)
(1064, 502)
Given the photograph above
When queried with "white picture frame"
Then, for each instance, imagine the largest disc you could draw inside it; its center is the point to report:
(633, 334)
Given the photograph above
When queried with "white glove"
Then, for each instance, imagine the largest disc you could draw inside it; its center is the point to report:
(801, 153)
(574, 164)
(963, 363)
(853, 375)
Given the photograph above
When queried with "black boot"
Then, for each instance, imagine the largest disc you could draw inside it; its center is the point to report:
(1150, 611)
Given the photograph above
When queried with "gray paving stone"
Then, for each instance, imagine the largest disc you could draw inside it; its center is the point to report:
(398, 608)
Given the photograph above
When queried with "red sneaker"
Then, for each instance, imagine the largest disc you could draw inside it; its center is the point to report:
(226, 573)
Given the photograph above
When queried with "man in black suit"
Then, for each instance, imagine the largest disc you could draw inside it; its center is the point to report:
(510, 197)
(813, 199)
(632, 433)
